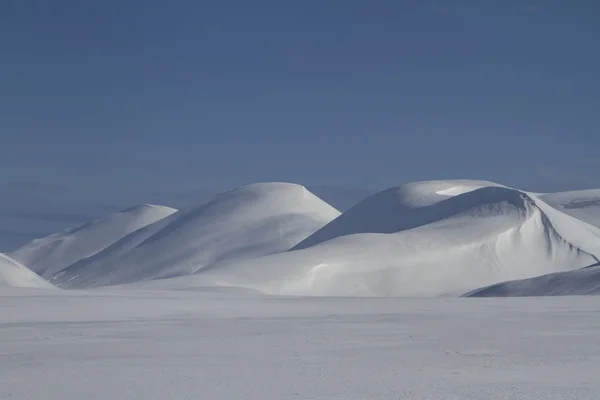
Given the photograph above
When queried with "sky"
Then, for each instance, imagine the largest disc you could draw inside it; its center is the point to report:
(184, 95)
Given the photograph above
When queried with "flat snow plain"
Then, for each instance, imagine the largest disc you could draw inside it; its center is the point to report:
(217, 343)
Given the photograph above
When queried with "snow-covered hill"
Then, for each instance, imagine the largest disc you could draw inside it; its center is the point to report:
(583, 281)
(581, 204)
(421, 239)
(50, 255)
(395, 209)
(250, 221)
(13, 274)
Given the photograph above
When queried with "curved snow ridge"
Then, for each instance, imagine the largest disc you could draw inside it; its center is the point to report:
(481, 237)
(406, 207)
(417, 204)
(578, 233)
(581, 204)
(50, 255)
(14, 274)
(585, 281)
(250, 221)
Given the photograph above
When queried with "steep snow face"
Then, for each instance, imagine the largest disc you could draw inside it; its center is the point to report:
(581, 204)
(50, 255)
(395, 209)
(251, 221)
(422, 246)
(13, 274)
(585, 281)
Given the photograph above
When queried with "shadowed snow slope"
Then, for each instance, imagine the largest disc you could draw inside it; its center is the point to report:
(250, 221)
(13, 274)
(421, 239)
(581, 204)
(583, 281)
(51, 254)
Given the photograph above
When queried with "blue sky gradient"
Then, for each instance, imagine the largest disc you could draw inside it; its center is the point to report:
(181, 95)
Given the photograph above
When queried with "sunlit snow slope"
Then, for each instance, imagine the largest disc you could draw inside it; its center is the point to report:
(13, 274)
(250, 221)
(49, 255)
(583, 281)
(422, 239)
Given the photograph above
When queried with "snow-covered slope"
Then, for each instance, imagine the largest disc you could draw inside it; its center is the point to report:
(581, 204)
(583, 281)
(51, 254)
(13, 274)
(250, 221)
(421, 239)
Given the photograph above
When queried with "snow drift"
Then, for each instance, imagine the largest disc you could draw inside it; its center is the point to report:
(250, 221)
(13, 274)
(585, 281)
(421, 239)
(50, 255)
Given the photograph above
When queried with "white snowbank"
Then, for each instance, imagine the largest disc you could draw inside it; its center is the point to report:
(50, 255)
(250, 221)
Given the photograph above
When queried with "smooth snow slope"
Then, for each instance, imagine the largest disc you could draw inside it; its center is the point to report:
(424, 239)
(581, 204)
(49, 255)
(583, 281)
(13, 274)
(250, 221)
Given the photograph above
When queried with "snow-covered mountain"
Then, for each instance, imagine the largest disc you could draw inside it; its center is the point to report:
(583, 281)
(421, 239)
(13, 274)
(51, 254)
(250, 221)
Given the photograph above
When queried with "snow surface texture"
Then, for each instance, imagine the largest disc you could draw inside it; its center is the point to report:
(584, 281)
(422, 239)
(128, 345)
(13, 274)
(50, 255)
(250, 221)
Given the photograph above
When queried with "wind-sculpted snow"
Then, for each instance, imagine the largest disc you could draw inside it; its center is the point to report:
(50, 255)
(412, 241)
(435, 238)
(583, 281)
(13, 274)
(250, 221)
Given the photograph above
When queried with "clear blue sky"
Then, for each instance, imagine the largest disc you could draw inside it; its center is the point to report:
(369, 94)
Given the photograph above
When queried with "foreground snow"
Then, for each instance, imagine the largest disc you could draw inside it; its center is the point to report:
(129, 345)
